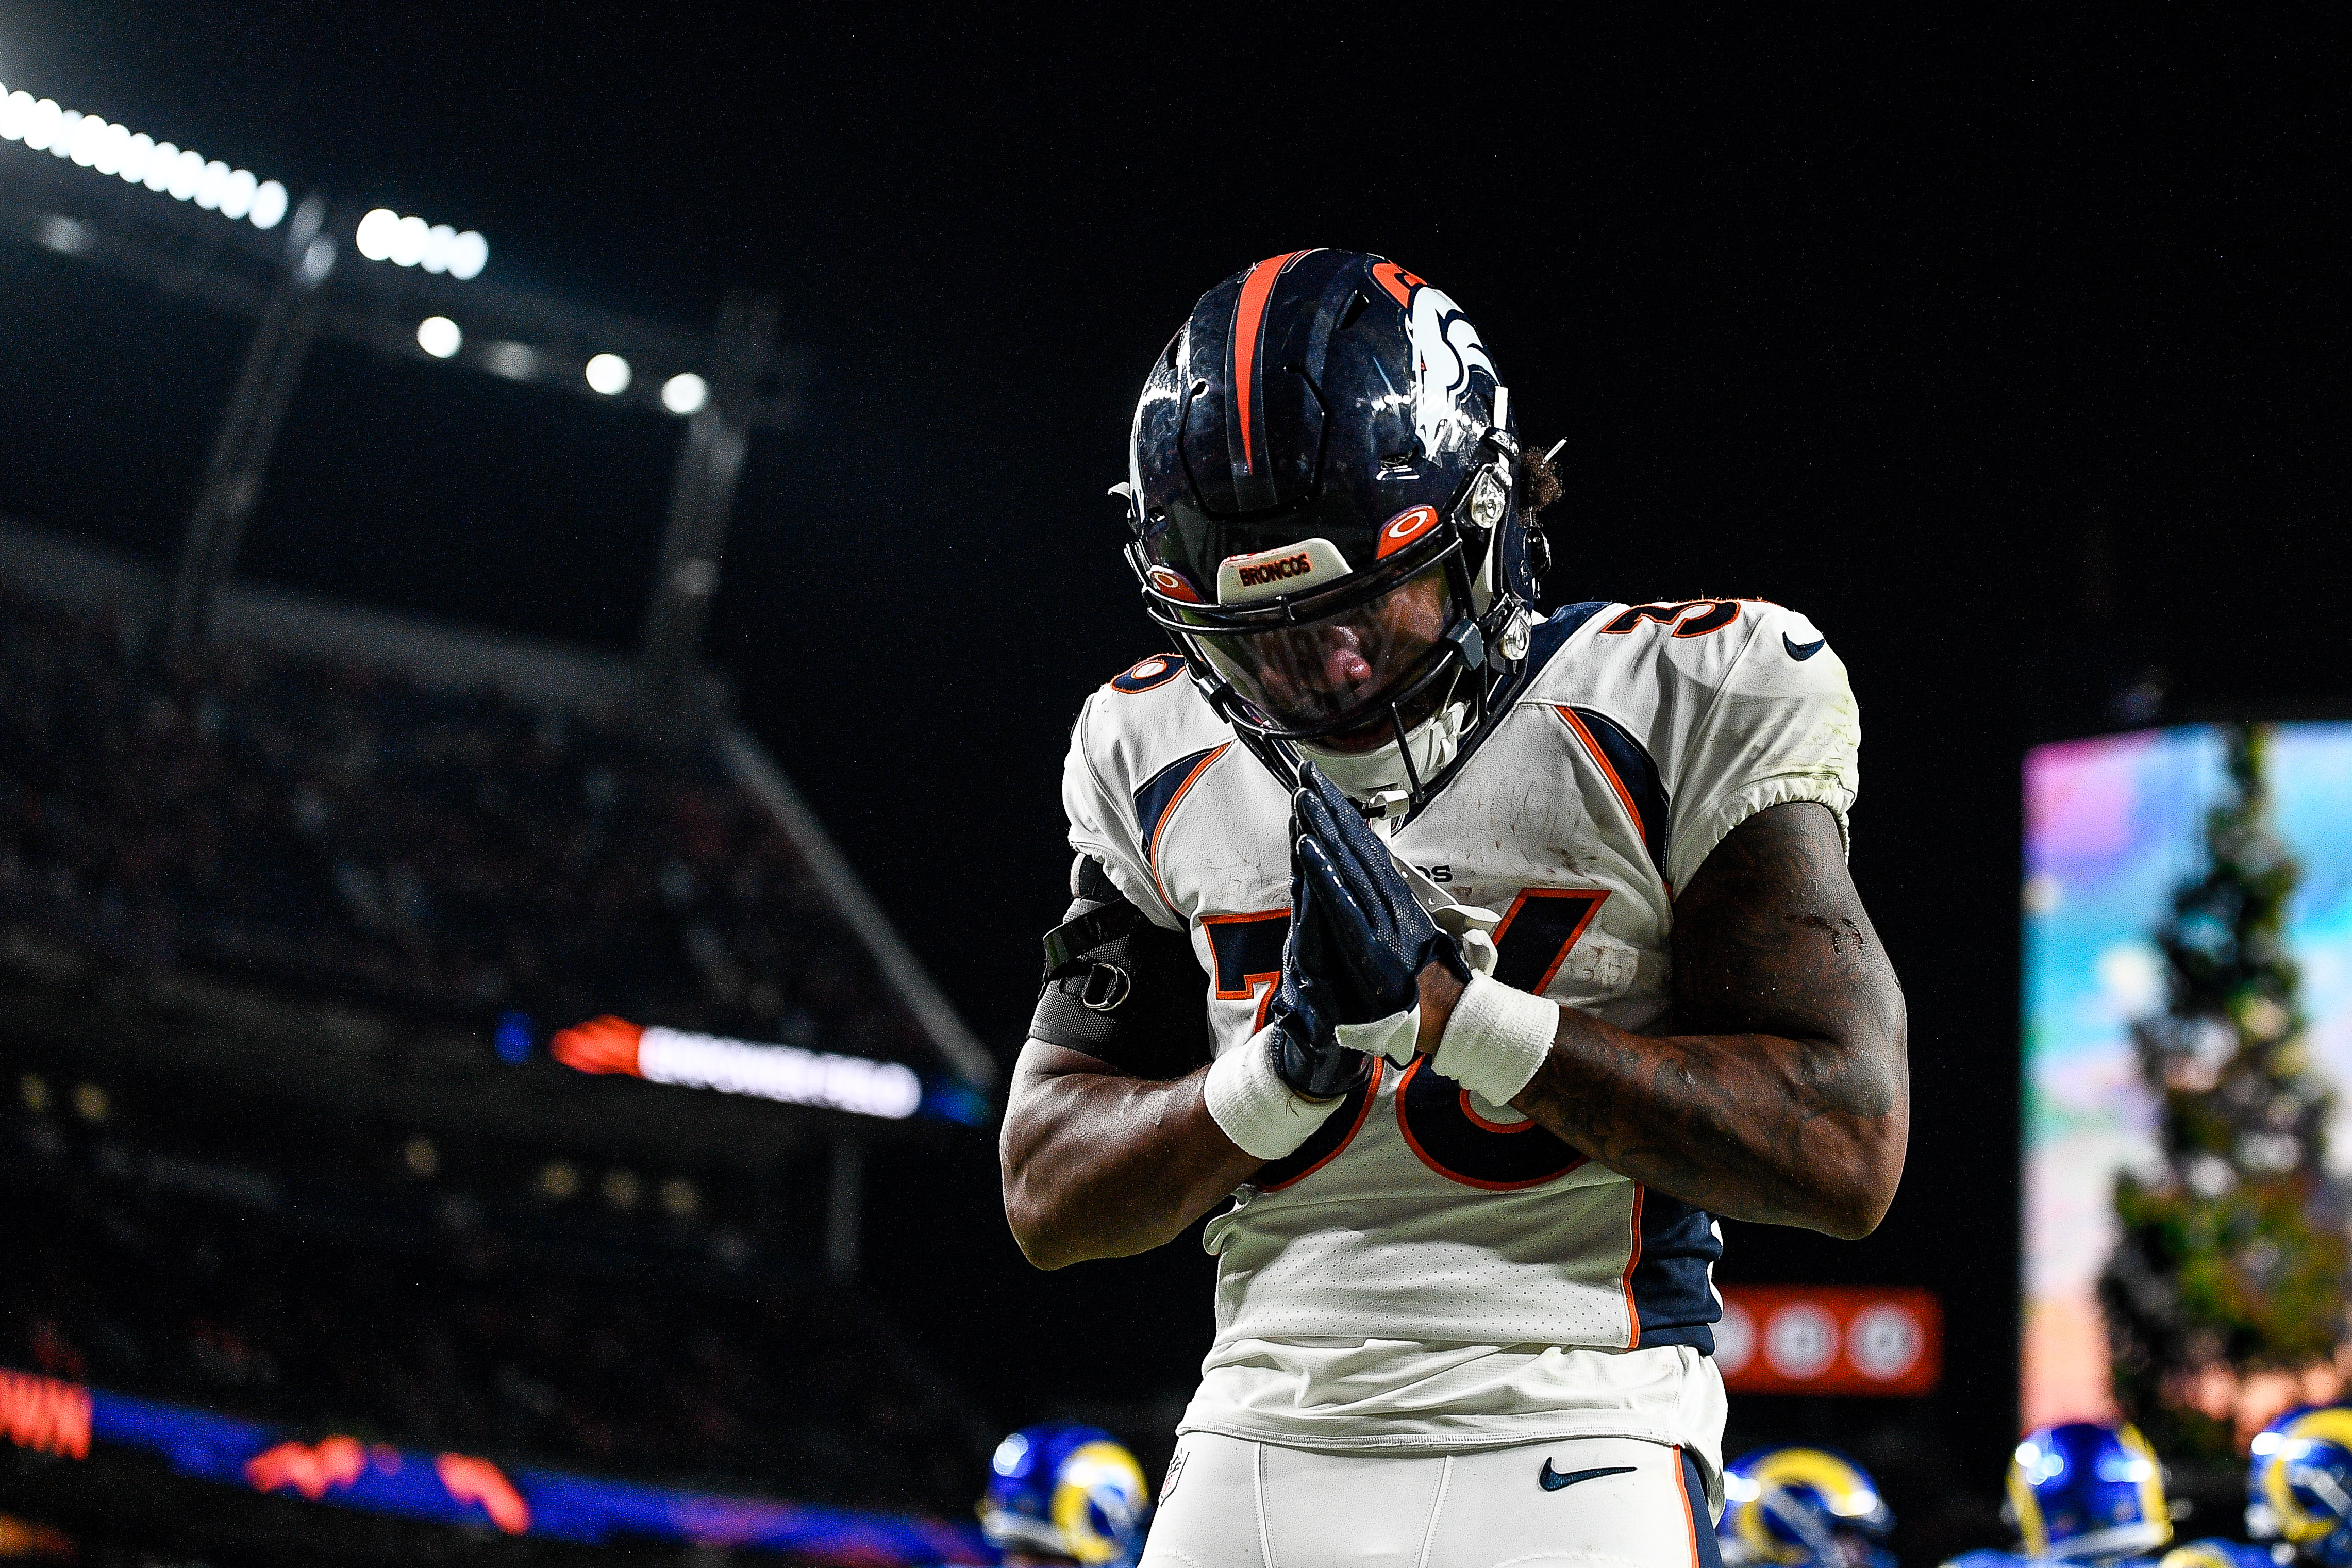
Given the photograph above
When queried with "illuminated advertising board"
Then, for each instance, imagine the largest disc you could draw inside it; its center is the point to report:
(2115, 827)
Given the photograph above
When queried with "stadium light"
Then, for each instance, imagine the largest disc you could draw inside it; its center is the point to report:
(92, 142)
(440, 336)
(685, 394)
(385, 236)
(609, 373)
(890, 1091)
(513, 362)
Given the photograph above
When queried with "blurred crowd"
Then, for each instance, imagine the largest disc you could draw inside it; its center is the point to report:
(337, 825)
(804, 1393)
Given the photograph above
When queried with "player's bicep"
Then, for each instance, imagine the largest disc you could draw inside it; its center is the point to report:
(1770, 937)
(1042, 1062)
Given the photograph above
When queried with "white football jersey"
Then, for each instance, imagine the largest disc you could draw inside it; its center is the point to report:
(1429, 1270)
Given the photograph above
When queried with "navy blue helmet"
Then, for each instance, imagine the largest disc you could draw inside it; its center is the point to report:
(1324, 492)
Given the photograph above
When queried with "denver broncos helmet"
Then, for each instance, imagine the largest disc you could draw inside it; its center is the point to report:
(1065, 1490)
(2299, 1487)
(2085, 1491)
(1323, 490)
(1803, 1508)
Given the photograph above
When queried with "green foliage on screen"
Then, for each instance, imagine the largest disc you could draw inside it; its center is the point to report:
(2231, 1263)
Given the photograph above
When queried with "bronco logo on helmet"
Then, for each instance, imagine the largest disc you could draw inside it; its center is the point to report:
(1445, 348)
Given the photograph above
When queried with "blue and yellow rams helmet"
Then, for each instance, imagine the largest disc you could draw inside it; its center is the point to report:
(1068, 1491)
(1802, 1507)
(2085, 1491)
(2299, 1488)
(2214, 1553)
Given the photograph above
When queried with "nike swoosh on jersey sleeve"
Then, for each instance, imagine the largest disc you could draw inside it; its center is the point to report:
(1707, 688)
(1774, 730)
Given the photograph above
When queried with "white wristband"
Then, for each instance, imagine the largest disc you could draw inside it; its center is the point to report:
(1497, 1038)
(1257, 1111)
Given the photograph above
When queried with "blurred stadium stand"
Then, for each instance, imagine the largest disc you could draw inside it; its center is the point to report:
(419, 819)
(267, 911)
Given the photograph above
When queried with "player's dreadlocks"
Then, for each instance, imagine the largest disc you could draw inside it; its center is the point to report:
(1539, 482)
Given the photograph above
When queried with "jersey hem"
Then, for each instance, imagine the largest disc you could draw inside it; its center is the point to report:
(1464, 1442)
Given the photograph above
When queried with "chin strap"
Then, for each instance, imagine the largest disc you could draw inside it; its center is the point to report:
(1384, 783)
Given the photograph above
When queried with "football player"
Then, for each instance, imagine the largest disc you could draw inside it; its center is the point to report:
(1480, 958)
(1803, 1508)
(2298, 1498)
(1062, 1494)
(2084, 1492)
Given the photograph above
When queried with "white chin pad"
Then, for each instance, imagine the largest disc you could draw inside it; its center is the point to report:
(1361, 775)
(1396, 1037)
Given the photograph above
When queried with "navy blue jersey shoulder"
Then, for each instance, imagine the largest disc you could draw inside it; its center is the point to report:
(1555, 629)
(1645, 788)
(1162, 789)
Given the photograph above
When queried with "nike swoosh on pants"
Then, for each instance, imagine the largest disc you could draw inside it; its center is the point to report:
(1552, 1480)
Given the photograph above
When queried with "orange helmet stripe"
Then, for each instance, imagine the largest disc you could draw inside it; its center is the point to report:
(1249, 320)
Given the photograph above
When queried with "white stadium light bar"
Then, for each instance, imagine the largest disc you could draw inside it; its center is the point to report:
(93, 142)
(385, 236)
(888, 1089)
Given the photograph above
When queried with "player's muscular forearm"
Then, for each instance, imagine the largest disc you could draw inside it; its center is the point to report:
(1098, 1164)
(1787, 1101)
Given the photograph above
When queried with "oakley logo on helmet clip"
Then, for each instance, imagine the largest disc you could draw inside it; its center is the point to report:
(1403, 529)
(1167, 580)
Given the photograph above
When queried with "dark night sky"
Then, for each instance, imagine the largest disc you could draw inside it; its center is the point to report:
(1885, 324)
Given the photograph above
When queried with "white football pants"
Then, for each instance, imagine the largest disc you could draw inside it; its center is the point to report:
(1229, 1503)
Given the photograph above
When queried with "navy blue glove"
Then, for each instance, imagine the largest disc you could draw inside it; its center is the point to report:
(1369, 922)
(1307, 1054)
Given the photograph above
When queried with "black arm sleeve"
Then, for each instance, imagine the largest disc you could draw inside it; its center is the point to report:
(1120, 988)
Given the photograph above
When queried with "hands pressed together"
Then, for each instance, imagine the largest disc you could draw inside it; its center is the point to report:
(1367, 971)
(1361, 954)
